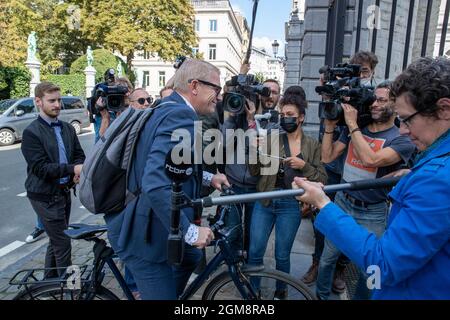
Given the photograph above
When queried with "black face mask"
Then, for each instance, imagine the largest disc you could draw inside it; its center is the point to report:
(289, 124)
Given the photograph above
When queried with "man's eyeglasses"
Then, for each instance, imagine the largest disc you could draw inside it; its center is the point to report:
(407, 120)
(382, 100)
(216, 88)
(141, 101)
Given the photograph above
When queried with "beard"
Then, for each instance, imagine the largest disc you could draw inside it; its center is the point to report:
(384, 116)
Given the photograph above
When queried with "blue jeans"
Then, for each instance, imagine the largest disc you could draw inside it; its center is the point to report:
(284, 214)
(39, 224)
(373, 218)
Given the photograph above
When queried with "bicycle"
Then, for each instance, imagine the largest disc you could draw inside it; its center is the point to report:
(237, 282)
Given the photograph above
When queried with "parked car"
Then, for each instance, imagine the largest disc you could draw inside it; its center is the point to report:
(17, 114)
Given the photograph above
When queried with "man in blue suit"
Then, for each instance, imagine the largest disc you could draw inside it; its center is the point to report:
(139, 233)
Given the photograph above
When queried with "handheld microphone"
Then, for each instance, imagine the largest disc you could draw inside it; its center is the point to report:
(178, 173)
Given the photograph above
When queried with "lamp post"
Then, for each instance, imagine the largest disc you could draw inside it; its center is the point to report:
(275, 46)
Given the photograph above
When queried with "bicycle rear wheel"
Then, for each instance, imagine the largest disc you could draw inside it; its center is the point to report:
(54, 291)
(222, 287)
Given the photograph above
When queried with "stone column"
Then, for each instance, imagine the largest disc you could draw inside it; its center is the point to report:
(90, 80)
(35, 67)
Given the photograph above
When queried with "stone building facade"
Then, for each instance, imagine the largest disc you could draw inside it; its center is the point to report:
(380, 26)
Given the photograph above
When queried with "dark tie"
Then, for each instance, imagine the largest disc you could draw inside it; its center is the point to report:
(56, 124)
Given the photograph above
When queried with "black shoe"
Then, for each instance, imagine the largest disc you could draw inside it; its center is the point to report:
(280, 295)
(32, 237)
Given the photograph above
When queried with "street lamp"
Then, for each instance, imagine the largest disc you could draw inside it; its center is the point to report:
(275, 46)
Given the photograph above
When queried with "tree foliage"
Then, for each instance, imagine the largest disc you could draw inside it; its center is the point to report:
(74, 84)
(159, 26)
(14, 82)
(103, 60)
(65, 28)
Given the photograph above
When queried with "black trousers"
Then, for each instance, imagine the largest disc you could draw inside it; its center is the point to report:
(55, 218)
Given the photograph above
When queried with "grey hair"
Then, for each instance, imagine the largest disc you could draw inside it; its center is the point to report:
(192, 69)
(386, 84)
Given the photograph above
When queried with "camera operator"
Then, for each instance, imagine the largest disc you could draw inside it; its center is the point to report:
(104, 115)
(368, 62)
(239, 174)
(372, 152)
(410, 259)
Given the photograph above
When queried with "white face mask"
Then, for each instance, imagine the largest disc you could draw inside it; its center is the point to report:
(366, 82)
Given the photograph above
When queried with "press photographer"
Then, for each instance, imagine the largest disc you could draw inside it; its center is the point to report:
(242, 96)
(373, 151)
(108, 100)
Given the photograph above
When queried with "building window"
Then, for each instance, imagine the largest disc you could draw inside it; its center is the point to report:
(147, 55)
(213, 25)
(212, 52)
(194, 51)
(197, 25)
(146, 80)
(162, 78)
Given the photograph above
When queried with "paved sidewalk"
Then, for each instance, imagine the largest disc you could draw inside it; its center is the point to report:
(82, 254)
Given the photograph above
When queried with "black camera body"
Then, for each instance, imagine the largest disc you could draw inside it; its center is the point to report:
(113, 97)
(243, 87)
(343, 85)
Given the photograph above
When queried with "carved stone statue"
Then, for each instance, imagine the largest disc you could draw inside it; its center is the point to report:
(89, 56)
(32, 46)
(119, 69)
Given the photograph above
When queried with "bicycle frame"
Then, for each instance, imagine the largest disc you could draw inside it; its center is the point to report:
(104, 254)
(226, 255)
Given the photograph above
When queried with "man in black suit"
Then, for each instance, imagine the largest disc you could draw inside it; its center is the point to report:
(54, 160)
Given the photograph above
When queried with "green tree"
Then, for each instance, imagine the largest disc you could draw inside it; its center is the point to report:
(17, 20)
(103, 60)
(160, 26)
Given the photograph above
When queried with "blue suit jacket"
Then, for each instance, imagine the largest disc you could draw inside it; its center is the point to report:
(142, 228)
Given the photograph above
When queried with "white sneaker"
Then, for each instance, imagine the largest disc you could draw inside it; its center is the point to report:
(34, 236)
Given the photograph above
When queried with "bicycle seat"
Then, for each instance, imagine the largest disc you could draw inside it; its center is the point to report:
(83, 231)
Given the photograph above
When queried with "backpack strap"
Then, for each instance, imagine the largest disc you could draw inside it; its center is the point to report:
(132, 139)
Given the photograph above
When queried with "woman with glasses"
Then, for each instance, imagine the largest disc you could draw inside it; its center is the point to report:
(297, 155)
(412, 258)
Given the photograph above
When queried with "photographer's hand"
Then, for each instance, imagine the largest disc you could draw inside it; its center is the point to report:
(245, 68)
(351, 116)
(250, 110)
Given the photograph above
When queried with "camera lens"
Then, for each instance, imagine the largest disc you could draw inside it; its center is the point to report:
(234, 103)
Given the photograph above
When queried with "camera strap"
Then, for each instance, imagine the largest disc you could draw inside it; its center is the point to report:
(287, 150)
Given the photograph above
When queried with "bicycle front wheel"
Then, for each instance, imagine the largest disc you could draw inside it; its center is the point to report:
(272, 284)
(55, 292)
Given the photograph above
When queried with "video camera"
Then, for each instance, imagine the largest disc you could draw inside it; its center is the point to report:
(243, 87)
(113, 96)
(343, 85)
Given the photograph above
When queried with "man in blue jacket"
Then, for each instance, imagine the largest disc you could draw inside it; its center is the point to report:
(412, 259)
(139, 233)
